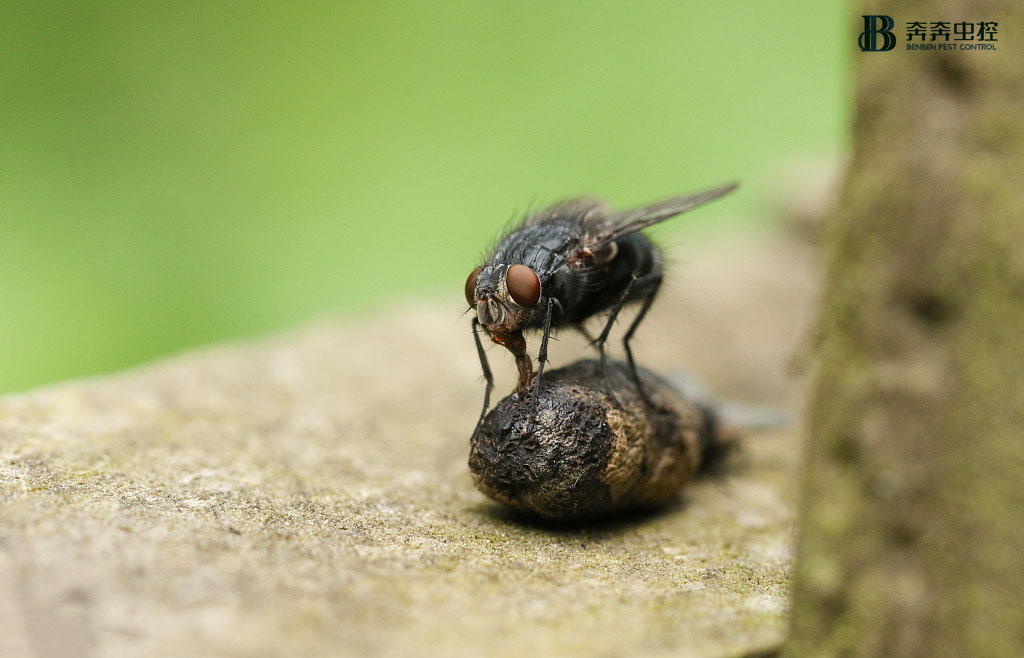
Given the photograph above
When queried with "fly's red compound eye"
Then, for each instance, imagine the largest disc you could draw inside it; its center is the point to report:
(471, 286)
(523, 285)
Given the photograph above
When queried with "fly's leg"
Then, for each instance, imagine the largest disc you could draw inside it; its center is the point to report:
(542, 354)
(488, 377)
(586, 334)
(542, 358)
(652, 283)
(603, 338)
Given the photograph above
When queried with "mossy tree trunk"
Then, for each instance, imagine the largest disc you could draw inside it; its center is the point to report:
(912, 535)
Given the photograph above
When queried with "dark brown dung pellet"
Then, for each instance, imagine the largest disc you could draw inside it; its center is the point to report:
(590, 446)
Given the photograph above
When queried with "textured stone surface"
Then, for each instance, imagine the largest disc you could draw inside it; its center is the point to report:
(309, 495)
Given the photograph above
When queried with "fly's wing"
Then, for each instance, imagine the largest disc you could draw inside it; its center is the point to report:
(609, 228)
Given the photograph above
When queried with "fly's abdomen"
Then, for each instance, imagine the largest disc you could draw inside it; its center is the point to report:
(603, 286)
(636, 254)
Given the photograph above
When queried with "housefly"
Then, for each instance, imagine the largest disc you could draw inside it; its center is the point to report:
(563, 265)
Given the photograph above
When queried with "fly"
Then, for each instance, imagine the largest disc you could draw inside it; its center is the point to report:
(563, 265)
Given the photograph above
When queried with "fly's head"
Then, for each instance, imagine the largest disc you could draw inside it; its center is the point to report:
(506, 298)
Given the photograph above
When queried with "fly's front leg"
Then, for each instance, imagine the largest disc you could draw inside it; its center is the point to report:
(542, 358)
(488, 377)
(542, 354)
(651, 283)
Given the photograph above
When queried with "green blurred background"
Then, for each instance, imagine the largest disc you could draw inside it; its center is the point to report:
(177, 173)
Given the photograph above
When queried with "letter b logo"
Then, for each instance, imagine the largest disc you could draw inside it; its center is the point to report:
(874, 27)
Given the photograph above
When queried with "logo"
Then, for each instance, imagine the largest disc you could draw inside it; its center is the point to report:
(874, 27)
(878, 35)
